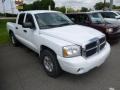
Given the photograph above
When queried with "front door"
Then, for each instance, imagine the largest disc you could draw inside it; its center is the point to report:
(29, 33)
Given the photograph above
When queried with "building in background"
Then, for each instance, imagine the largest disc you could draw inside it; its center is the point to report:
(8, 6)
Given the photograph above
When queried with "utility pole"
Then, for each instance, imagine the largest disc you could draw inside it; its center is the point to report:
(49, 7)
(104, 4)
(111, 4)
(67, 6)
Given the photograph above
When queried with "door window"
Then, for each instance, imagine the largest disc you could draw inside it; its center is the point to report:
(29, 18)
(21, 19)
(83, 18)
(108, 14)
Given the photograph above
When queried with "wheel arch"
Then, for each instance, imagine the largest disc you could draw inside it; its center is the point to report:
(43, 47)
(10, 32)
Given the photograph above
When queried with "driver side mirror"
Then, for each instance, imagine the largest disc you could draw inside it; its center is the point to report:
(28, 25)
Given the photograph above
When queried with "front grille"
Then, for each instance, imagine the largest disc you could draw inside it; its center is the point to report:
(91, 52)
(91, 45)
(102, 46)
(94, 47)
(101, 40)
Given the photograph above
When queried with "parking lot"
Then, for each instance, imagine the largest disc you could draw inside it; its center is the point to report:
(20, 70)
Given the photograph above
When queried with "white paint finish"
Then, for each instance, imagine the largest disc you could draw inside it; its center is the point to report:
(57, 38)
(74, 33)
(71, 65)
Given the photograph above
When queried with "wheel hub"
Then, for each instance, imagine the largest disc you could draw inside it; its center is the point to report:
(48, 64)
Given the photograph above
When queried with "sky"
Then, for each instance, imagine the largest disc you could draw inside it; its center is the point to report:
(76, 4)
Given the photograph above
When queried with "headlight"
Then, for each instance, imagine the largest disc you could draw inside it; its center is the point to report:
(109, 30)
(71, 51)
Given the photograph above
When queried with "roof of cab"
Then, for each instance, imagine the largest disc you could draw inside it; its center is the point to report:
(38, 11)
(82, 13)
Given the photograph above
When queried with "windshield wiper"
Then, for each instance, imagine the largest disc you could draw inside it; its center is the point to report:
(64, 24)
(52, 26)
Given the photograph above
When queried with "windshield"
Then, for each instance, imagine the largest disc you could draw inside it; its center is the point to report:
(51, 20)
(96, 18)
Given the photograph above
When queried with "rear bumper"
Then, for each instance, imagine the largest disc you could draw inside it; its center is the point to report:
(80, 65)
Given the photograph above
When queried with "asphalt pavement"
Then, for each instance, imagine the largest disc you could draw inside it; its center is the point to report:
(20, 69)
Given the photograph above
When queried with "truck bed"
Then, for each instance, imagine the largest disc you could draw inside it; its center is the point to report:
(11, 26)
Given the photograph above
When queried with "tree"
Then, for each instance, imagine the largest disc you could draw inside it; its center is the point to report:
(45, 4)
(101, 5)
(84, 9)
(61, 9)
(27, 7)
(116, 7)
(70, 10)
(39, 5)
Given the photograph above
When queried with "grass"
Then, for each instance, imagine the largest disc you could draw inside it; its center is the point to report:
(4, 37)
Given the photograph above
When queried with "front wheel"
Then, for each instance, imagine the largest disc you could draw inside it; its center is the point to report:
(50, 63)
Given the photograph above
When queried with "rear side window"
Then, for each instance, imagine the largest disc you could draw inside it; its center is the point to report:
(21, 18)
(108, 14)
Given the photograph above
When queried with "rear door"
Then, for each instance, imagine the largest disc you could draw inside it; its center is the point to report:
(19, 28)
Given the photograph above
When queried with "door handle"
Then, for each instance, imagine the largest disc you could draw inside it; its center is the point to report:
(16, 27)
(25, 31)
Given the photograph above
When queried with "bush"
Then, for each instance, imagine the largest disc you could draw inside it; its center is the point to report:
(8, 15)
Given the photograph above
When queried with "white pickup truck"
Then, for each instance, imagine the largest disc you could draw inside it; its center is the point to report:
(60, 43)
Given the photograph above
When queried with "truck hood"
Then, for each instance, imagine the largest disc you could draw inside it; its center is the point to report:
(75, 34)
(107, 25)
(103, 27)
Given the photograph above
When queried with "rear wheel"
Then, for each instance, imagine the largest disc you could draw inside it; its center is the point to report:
(50, 63)
(13, 39)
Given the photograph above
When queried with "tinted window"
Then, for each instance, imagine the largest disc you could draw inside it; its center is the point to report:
(29, 18)
(108, 14)
(96, 18)
(73, 17)
(79, 18)
(21, 18)
(82, 18)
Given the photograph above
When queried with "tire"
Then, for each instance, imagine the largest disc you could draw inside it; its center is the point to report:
(50, 63)
(13, 39)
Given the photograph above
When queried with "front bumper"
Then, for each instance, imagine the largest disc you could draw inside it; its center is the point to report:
(114, 36)
(80, 65)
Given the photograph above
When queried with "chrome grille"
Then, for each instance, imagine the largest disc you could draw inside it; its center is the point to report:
(102, 42)
(94, 47)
